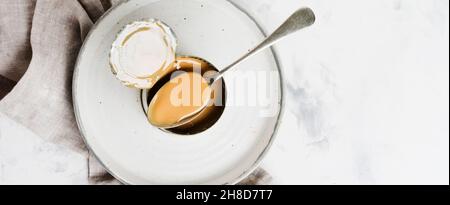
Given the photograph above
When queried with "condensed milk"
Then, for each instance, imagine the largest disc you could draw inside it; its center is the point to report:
(183, 95)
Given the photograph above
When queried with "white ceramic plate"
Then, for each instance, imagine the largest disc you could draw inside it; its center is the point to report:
(110, 115)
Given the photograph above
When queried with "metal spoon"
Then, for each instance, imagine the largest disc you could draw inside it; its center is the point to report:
(302, 18)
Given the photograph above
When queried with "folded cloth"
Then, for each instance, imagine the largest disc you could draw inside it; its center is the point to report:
(40, 40)
(6, 85)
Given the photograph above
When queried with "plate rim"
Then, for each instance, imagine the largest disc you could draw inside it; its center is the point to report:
(261, 156)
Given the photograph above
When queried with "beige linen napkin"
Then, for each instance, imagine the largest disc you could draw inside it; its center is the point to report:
(39, 43)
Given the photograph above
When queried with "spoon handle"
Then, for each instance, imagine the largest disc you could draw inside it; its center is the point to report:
(302, 18)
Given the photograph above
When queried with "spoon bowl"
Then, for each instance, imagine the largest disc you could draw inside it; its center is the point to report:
(203, 116)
